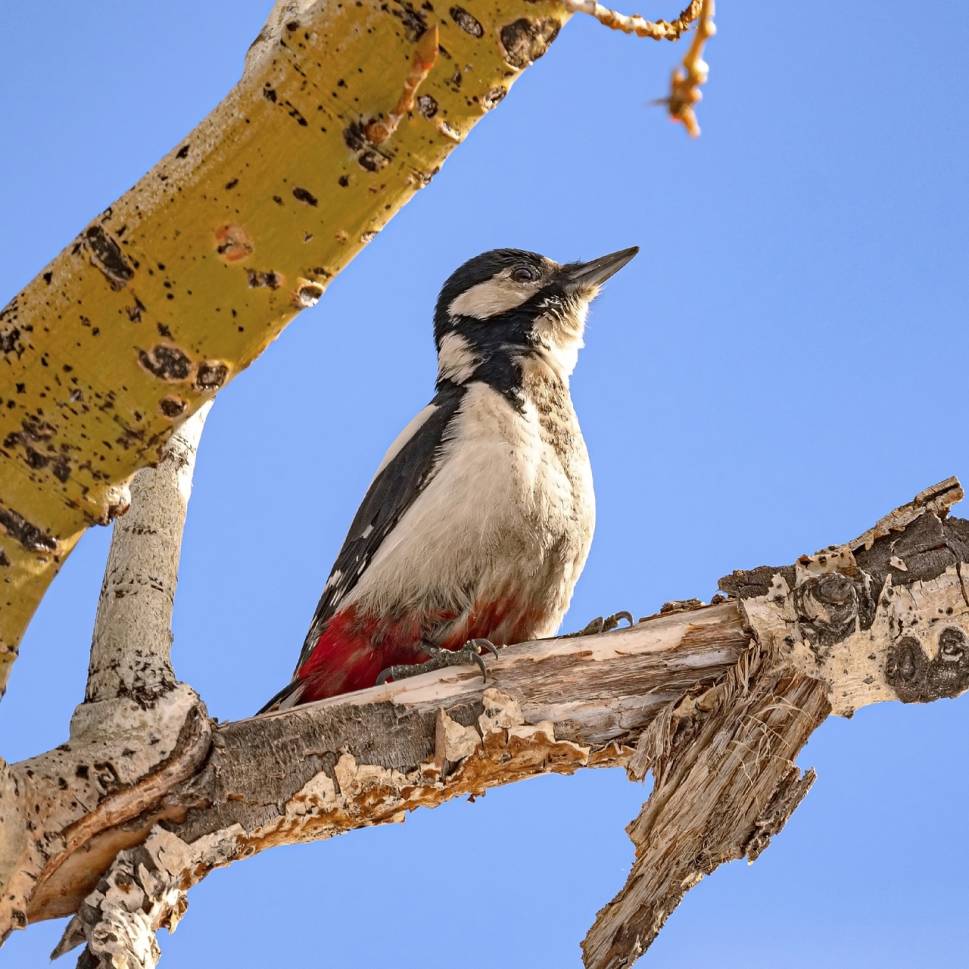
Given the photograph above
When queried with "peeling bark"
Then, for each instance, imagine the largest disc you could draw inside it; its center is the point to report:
(715, 700)
(724, 784)
(880, 618)
(367, 758)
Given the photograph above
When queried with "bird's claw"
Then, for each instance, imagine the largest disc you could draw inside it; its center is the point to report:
(603, 624)
(470, 652)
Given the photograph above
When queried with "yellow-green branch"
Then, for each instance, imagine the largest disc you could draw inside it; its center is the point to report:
(342, 114)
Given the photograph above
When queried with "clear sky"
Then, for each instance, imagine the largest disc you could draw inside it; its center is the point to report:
(782, 364)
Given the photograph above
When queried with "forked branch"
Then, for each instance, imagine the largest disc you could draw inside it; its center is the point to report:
(715, 700)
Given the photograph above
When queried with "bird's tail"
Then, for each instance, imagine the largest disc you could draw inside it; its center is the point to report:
(287, 697)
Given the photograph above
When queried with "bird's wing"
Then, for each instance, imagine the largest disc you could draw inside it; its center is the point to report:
(408, 466)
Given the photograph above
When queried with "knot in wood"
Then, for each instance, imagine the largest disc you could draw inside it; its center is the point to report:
(827, 609)
(917, 679)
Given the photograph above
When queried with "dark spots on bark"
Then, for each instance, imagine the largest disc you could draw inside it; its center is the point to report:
(106, 777)
(35, 459)
(748, 583)
(493, 97)
(414, 22)
(211, 374)
(35, 441)
(258, 278)
(31, 537)
(304, 195)
(61, 468)
(466, 22)
(4, 561)
(48, 276)
(920, 552)
(917, 679)
(927, 548)
(107, 256)
(231, 184)
(135, 310)
(344, 181)
(10, 341)
(371, 160)
(182, 152)
(827, 610)
(172, 407)
(166, 362)
(427, 105)
(308, 295)
(354, 136)
(269, 93)
(524, 41)
(277, 200)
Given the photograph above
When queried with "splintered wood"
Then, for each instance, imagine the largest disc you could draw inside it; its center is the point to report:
(725, 783)
(716, 701)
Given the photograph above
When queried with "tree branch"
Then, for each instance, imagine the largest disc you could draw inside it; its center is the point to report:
(367, 758)
(715, 700)
(138, 732)
(182, 282)
(131, 646)
(725, 783)
(883, 617)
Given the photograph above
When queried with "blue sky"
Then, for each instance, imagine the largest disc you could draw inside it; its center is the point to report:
(780, 366)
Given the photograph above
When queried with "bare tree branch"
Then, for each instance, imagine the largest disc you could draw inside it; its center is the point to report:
(725, 782)
(138, 731)
(131, 646)
(364, 759)
(131, 664)
(715, 700)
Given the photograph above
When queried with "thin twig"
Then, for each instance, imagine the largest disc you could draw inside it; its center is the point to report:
(685, 84)
(425, 56)
(654, 29)
(686, 81)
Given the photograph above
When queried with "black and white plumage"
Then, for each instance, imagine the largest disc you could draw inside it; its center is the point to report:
(479, 519)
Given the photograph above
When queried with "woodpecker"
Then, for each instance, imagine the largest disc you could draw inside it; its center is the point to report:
(478, 521)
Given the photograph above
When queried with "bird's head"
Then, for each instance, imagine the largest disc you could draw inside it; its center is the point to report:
(509, 301)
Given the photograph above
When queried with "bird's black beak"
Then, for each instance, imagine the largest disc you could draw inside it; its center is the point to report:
(597, 271)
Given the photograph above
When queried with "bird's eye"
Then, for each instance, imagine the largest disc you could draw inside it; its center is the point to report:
(524, 274)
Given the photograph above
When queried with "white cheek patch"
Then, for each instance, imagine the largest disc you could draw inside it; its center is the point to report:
(456, 360)
(493, 296)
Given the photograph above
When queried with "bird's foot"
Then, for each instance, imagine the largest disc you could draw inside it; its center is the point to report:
(602, 624)
(471, 652)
